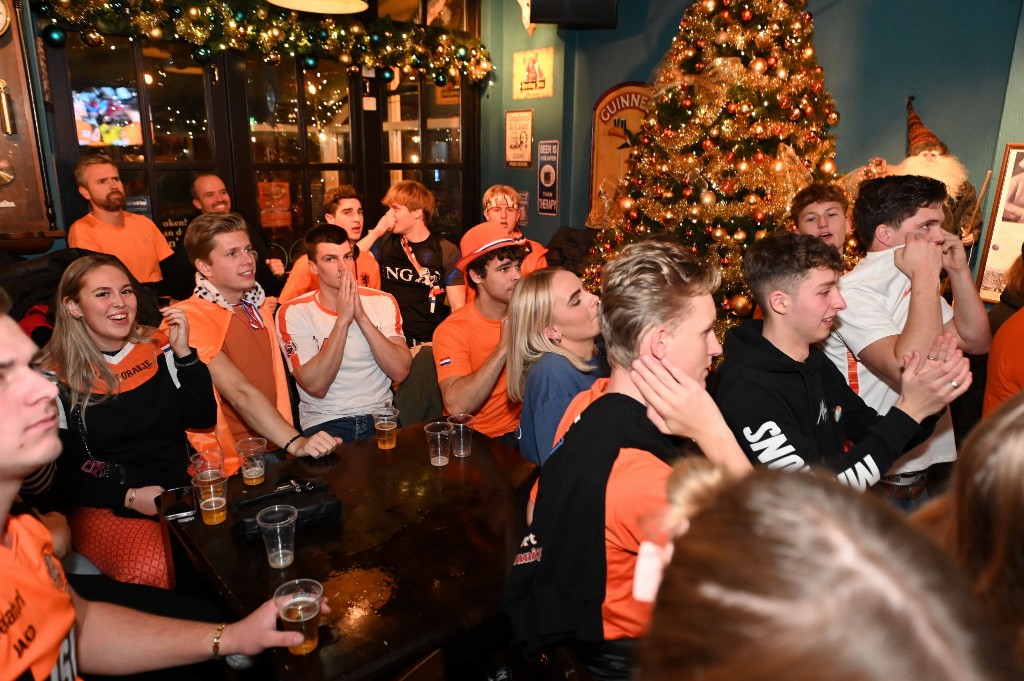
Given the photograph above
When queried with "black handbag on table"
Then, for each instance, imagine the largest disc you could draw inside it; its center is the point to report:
(284, 484)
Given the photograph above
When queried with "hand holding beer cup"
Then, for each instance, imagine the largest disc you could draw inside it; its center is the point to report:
(298, 606)
(258, 631)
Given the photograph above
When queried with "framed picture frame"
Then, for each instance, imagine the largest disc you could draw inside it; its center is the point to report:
(1005, 228)
(519, 138)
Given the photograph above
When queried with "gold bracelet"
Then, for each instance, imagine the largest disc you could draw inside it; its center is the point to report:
(216, 639)
(131, 499)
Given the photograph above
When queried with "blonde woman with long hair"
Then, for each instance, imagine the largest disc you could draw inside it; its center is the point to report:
(553, 354)
(127, 393)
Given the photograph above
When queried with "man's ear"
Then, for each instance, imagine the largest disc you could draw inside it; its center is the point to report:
(329, 218)
(652, 342)
(884, 234)
(199, 206)
(202, 267)
(417, 214)
(85, 193)
(779, 302)
(311, 262)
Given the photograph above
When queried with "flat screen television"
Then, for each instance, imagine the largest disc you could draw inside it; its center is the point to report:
(107, 116)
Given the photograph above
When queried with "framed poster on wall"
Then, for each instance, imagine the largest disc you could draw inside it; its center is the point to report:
(519, 139)
(533, 73)
(1005, 228)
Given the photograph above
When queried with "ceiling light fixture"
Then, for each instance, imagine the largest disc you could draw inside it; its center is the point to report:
(323, 6)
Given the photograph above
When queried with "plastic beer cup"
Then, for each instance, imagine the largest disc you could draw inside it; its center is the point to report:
(298, 608)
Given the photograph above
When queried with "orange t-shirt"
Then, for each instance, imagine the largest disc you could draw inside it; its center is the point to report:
(636, 488)
(1005, 364)
(139, 243)
(461, 345)
(301, 280)
(37, 623)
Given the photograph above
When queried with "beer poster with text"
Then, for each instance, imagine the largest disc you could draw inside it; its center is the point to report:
(533, 73)
(617, 117)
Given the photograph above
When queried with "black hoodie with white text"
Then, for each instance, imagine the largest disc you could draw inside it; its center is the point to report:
(791, 415)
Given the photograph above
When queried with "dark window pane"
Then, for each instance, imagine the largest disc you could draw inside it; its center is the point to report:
(272, 97)
(174, 198)
(328, 113)
(444, 124)
(447, 188)
(401, 121)
(177, 101)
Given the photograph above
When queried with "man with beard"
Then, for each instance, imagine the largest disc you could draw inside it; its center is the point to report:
(108, 228)
(929, 157)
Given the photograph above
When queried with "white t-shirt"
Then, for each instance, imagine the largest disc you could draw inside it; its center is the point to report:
(303, 325)
(877, 306)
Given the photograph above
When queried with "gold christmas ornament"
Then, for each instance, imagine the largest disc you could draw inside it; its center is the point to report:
(828, 166)
(708, 198)
(741, 305)
(194, 13)
(739, 236)
(760, 234)
(758, 65)
(719, 234)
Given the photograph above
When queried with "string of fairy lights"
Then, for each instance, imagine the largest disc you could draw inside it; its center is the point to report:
(392, 48)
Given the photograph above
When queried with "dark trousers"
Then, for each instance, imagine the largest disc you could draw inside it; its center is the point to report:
(608, 660)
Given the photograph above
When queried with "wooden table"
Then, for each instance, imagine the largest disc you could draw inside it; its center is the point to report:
(420, 554)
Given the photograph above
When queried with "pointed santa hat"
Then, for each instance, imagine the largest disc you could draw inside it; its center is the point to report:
(919, 137)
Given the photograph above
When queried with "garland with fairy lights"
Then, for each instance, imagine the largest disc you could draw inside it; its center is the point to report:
(254, 25)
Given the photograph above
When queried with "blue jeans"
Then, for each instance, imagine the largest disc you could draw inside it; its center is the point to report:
(348, 428)
(906, 498)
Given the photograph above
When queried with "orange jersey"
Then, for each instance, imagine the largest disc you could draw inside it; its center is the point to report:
(37, 617)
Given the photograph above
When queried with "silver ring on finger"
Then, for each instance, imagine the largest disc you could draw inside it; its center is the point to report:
(954, 384)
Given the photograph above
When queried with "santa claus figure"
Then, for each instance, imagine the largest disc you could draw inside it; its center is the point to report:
(928, 156)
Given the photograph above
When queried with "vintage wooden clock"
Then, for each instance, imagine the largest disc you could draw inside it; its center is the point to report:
(25, 220)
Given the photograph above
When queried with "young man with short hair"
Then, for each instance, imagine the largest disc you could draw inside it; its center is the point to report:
(787, 404)
(108, 228)
(50, 632)
(470, 346)
(501, 206)
(894, 308)
(572, 580)
(820, 210)
(416, 266)
(343, 342)
(231, 327)
(342, 207)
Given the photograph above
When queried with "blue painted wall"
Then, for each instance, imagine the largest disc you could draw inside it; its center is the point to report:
(954, 57)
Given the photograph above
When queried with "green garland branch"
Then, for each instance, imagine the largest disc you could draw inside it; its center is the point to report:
(256, 26)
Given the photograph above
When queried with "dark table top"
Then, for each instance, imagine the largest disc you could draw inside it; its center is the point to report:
(420, 554)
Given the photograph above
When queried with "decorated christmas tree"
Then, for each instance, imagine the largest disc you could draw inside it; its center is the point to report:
(740, 122)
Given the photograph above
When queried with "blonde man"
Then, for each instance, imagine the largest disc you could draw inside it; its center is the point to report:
(232, 327)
